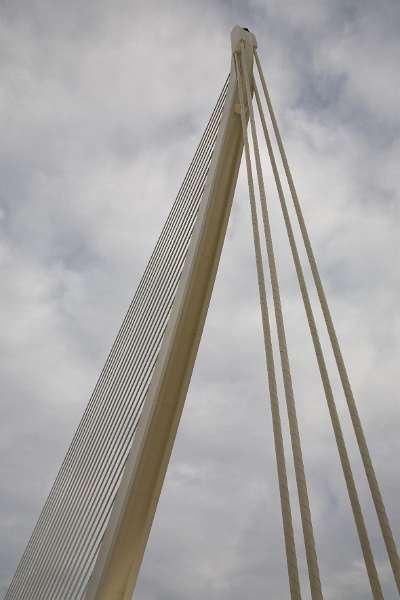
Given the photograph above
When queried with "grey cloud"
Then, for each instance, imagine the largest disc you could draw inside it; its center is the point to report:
(102, 106)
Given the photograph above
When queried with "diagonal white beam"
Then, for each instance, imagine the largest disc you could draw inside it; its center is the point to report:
(125, 539)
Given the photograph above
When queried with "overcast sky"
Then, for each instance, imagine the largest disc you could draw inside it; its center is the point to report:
(102, 105)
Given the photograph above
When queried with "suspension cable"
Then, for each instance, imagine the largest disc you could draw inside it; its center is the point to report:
(355, 418)
(291, 557)
(312, 561)
(132, 400)
(344, 458)
(116, 346)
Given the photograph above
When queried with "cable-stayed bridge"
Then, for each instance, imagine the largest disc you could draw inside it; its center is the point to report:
(90, 538)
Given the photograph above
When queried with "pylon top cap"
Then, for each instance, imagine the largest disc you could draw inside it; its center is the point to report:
(239, 34)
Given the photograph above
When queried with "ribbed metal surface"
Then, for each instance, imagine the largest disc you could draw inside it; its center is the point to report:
(60, 555)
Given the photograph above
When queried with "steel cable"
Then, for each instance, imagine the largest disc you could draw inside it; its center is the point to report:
(305, 512)
(145, 372)
(291, 557)
(213, 135)
(80, 428)
(355, 418)
(138, 369)
(107, 426)
(343, 454)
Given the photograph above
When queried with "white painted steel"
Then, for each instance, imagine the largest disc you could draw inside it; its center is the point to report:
(121, 552)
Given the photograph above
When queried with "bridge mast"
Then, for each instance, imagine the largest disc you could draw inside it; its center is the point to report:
(124, 542)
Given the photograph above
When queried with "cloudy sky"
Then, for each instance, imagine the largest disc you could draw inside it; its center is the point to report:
(102, 105)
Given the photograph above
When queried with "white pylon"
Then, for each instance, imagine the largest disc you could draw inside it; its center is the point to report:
(123, 545)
